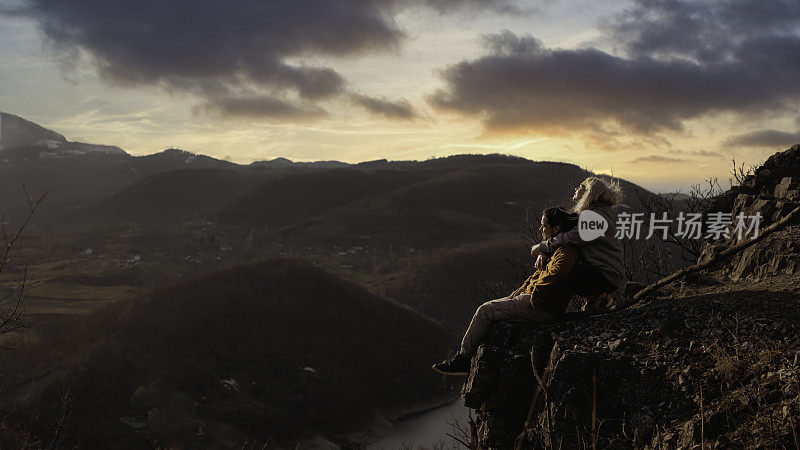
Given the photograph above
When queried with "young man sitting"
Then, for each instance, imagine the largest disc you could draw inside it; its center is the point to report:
(542, 298)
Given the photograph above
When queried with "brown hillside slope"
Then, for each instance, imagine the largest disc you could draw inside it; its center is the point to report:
(275, 349)
(478, 202)
(297, 197)
(168, 196)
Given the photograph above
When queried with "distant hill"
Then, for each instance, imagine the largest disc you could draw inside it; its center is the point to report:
(38, 142)
(297, 197)
(18, 132)
(167, 196)
(475, 192)
(176, 159)
(81, 181)
(454, 204)
(466, 198)
(278, 348)
(283, 163)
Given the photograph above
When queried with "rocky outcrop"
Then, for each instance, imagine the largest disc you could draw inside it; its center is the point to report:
(771, 257)
(646, 370)
(713, 358)
(773, 189)
(771, 192)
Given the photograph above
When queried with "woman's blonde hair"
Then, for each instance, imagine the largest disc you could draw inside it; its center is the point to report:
(598, 192)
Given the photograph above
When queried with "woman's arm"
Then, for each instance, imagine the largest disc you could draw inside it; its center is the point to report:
(571, 237)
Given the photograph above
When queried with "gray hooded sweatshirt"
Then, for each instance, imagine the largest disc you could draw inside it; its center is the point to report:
(605, 252)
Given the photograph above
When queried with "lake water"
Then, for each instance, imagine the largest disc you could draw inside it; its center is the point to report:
(429, 430)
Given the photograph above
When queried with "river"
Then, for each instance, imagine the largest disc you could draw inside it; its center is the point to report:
(428, 430)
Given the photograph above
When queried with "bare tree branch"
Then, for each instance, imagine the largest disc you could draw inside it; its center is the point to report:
(9, 243)
(12, 317)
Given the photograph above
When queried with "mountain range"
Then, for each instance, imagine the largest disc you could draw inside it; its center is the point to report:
(465, 194)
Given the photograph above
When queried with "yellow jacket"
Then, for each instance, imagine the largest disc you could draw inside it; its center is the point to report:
(548, 287)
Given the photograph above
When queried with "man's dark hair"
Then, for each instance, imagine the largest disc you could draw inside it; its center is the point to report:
(558, 216)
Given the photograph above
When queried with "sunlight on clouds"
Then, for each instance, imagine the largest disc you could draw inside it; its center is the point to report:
(501, 148)
(148, 119)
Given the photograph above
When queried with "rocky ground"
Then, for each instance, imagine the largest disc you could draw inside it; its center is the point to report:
(736, 345)
(711, 361)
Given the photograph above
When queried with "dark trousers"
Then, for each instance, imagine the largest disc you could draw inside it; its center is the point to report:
(587, 281)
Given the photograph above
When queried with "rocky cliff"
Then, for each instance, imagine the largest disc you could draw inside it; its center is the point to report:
(712, 358)
(772, 191)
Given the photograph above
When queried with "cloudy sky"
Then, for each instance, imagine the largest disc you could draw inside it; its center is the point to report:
(661, 92)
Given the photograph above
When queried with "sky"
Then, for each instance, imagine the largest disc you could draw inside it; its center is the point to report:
(664, 93)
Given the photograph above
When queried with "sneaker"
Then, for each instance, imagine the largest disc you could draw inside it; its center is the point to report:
(457, 365)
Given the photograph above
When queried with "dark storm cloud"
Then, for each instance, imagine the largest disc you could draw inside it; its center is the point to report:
(507, 6)
(681, 60)
(256, 107)
(764, 138)
(208, 47)
(704, 30)
(400, 109)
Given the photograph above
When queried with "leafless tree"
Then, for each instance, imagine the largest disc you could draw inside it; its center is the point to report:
(697, 201)
(12, 312)
(658, 258)
(739, 173)
(58, 425)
